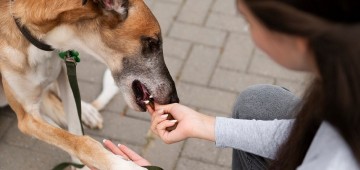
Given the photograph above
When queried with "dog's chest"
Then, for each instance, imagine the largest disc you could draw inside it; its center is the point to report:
(45, 66)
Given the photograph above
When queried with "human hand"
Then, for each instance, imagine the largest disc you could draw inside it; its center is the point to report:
(190, 123)
(126, 152)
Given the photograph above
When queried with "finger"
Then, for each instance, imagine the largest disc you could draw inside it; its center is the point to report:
(156, 113)
(152, 110)
(163, 133)
(149, 109)
(158, 119)
(166, 108)
(130, 153)
(114, 149)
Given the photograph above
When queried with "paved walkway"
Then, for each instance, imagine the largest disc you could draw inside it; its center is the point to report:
(211, 57)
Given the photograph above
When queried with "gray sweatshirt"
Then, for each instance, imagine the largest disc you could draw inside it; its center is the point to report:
(328, 150)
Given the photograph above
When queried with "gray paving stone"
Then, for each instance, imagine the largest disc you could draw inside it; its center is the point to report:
(89, 91)
(265, 66)
(7, 111)
(200, 150)
(186, 164)
(14, 137)
(176, 48)
(199, 66)
(90, 70)
(138, 115)
(122, 128)
(5, 123)
(173, 1)
(116, 105)
(198, 34)
(225, 7)
(149, 3)
(165, 13)
(195, 11)
(237, 53)
(235, 81)
(15, 158)
(163, 155)
(174, 65)
(42, 147)
(206, 98)
(225, 157)
(226, 22)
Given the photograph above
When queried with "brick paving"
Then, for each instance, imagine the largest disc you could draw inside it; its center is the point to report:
(212, 59)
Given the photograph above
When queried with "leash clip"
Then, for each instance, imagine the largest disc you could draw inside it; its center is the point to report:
(70, 56)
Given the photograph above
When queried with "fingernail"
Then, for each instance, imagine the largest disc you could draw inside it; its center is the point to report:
(164, 116)
(119, 145)
(104, 140)
(173, 121)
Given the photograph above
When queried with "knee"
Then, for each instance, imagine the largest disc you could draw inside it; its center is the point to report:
(264, 102)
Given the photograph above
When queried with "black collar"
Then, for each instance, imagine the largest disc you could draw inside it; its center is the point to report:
(27, 34)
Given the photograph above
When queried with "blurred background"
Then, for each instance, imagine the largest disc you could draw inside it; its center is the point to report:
(212, 59)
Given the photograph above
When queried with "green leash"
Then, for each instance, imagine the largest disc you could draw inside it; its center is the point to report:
(71, 57)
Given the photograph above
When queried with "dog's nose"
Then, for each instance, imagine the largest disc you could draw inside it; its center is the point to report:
(174, 98)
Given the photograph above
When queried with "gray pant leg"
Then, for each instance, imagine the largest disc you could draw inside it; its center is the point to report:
(261, 102)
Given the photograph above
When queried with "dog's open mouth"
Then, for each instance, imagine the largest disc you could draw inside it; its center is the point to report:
(142, 94)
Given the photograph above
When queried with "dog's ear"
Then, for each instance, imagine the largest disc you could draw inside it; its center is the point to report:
(116, 5)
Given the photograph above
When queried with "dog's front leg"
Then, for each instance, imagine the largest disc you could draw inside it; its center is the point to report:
(89, 151)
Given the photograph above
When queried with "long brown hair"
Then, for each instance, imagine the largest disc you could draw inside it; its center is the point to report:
(332, 29)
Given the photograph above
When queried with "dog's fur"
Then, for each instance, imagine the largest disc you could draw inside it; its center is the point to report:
(121, 33)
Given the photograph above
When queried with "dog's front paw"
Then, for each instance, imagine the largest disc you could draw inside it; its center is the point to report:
(91, 116)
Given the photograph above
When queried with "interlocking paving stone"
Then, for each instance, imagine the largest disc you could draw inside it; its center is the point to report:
(265, 66)
(174, 65)
(198, 34)
(206, 98)
(201, 150)
(226, 22)
(165, 13)
(123, 128)
(235, 81)
(225, 157)
(238, 52)
(5, 123)
(163, 155)
(199, 66)
(195, 11)
(176, 48)
(16, 158)
(225, 7)
(16, 138)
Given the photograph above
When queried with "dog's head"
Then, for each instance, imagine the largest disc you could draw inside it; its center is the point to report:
(132, 48)
(125, 35)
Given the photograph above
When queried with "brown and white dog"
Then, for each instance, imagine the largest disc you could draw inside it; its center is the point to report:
(121, 33)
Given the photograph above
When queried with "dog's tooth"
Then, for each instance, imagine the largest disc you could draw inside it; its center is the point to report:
(151, 96)
(146, 101)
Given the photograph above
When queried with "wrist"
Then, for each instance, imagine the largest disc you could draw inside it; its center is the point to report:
(206, 129)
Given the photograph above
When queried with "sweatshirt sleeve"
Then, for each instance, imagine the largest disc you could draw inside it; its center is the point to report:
(259, 137)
